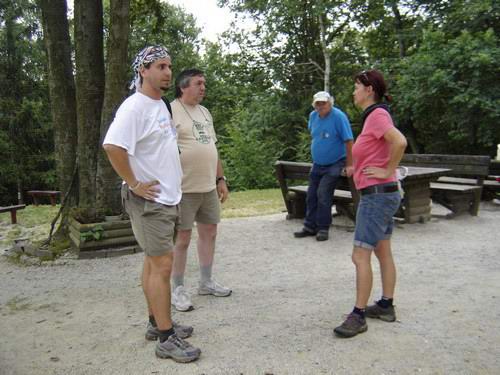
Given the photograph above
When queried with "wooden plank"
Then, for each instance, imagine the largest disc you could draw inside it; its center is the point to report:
(106, 225)
(12, 208)
(117, 233)
(457, 180)
(110, 242)
(453, 187)
(473, 165)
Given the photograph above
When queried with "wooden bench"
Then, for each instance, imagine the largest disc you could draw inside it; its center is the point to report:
(52, 194)
(345, 197)
(13, 211)
(451, 190)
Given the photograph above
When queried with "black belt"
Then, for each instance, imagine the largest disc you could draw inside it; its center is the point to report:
(379, 189)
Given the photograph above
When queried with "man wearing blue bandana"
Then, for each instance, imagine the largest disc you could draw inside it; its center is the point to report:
(141, 145)
(331, 152)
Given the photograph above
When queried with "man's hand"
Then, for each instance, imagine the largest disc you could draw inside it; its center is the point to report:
(146, 190)
(349, 171)
(222, 191)
(375, 172)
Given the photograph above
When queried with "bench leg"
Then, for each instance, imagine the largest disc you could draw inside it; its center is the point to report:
(417, 202)
(13, 216)
(52, 200)
(476, 200)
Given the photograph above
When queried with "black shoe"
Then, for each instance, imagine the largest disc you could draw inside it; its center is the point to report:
(353, 325)
(322, 235)
(304, 233)
(376, 312)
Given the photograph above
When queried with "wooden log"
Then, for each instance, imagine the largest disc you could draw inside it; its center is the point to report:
(109, 242)
(117, 233)
(119, 224)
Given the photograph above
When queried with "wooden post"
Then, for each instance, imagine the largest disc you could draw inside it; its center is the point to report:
(13, 216)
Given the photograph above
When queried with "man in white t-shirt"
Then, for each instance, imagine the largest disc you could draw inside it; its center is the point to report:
(203, 187)
(141, 145)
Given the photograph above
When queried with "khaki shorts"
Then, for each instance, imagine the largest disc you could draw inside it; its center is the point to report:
(154, 224)
(203, 208)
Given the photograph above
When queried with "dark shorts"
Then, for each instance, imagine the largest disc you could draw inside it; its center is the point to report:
(154, 224)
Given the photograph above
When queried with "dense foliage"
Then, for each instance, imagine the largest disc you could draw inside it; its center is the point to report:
(440, 57)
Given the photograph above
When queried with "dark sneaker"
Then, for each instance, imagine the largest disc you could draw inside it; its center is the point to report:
(177, 349)
(182, 331)
(304, 232)
(353, 325)
(322, 235)
(376, 312)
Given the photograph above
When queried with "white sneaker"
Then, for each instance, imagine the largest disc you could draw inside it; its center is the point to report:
(181, 299)
(214, 288)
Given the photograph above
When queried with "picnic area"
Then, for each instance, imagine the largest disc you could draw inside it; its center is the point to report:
(87, 316)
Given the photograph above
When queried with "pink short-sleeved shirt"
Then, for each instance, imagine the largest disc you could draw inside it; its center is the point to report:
(371, 149)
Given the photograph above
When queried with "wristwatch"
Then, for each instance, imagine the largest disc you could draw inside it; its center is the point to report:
(218, 179)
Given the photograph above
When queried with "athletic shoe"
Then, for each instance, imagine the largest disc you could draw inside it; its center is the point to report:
(353, 325)
(322, 235)
(377, 312)
(214, 288)
(177, 349)
(304, 232)
(181, 299)
(182, 331)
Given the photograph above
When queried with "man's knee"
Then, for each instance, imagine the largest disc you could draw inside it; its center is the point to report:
(182, 240)
(207, 232)
(160, 265)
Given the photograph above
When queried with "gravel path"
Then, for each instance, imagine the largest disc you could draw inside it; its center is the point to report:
(87, 316)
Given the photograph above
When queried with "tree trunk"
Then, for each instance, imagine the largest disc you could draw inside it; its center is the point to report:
(61, 90)
(89, 96)
(326, 54)
(398, 25)
(108, 182)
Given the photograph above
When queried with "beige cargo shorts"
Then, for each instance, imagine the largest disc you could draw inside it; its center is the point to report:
(203, 208)
(154, 224)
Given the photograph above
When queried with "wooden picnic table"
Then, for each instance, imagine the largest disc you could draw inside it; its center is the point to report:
(52, 194)
(416, 203)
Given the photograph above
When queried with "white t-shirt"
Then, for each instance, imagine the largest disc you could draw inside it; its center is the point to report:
(196, 138)
(143, 126)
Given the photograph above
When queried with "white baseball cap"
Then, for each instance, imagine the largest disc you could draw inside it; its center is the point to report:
(322, 96)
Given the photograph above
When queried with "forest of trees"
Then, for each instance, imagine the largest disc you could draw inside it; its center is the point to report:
(62, 78)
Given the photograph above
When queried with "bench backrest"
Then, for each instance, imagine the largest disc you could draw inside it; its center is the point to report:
(495, 168)
(472, 166)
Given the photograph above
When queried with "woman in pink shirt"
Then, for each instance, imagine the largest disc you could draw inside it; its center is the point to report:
(376, 154)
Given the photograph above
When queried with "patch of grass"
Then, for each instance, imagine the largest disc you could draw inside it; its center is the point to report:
(253, 203)
(33, 222)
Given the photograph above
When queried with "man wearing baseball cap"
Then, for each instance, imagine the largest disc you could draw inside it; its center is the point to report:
(331, 151)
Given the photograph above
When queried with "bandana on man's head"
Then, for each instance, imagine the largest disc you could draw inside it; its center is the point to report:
(147, 56)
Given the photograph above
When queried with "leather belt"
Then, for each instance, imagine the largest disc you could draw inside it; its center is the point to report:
(379, 189)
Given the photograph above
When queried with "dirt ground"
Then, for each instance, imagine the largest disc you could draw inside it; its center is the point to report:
(88, 317)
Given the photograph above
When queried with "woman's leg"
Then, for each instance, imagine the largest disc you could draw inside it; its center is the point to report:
(364, 278)
(387, 267)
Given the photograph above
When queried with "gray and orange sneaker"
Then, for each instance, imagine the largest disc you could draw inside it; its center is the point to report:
(178, 349)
